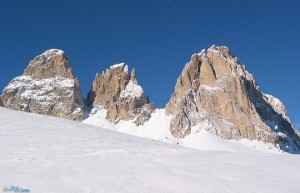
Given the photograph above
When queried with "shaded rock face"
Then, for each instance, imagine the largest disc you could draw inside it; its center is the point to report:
(216, 93)
(47, 87)
(1, 102)
(122, 97)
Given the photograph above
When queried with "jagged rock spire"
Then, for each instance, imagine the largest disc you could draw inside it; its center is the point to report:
(133, 76)
(119, 93)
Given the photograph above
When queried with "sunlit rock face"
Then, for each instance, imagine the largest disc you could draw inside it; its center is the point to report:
(216, 93)
(47, 87)
(119, 93)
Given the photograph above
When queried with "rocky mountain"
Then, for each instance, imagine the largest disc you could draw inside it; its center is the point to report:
(47, 87)
(215, 92)
(118, 92)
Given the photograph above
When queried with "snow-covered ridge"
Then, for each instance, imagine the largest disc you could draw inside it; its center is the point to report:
(277, 105)
(132, 91)
(118, 65)
(52, 53)
(201, 55)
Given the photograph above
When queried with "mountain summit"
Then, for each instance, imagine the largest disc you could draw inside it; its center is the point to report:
(119, 93)
(47, 87)
(215, 92)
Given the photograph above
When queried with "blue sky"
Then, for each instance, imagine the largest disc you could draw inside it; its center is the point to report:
(157, 38)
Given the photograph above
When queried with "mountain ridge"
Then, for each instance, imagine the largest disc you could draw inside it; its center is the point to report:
(214, 92)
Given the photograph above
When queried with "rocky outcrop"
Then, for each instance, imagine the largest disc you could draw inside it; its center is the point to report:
(277, 105)
(216, 93)
(47, 87)
(122, 97)
(1, 102)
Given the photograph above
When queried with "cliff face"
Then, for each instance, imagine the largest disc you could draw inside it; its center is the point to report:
(47, 87)
(216, 93)
(122, 97)
(1, 102)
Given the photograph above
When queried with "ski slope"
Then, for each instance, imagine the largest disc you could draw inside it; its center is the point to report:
(50, 155)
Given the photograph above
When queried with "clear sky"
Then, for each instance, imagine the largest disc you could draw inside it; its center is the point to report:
(157, 37)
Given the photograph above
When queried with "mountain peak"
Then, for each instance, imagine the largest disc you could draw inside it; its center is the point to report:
(214, 86)
(120, 65)
(47, 87)
(119, 93)
(49, 64)
(221, 50)
(53, 52)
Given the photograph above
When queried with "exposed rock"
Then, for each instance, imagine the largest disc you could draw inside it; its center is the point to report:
(216, 93)
(277, 105)
(119, 93)
(47, 87)
(1, 102)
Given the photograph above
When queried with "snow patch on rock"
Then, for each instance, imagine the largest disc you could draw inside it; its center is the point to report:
(44, 96)
(40, 90)
(53, 52)
(132, 91)
(211, 89)
(117, 65)
(277, 105)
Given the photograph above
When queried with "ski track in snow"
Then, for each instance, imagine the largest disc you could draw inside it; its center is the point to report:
(50, 155)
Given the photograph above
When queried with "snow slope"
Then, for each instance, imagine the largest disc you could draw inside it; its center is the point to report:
(51, 155)
(157, 128)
